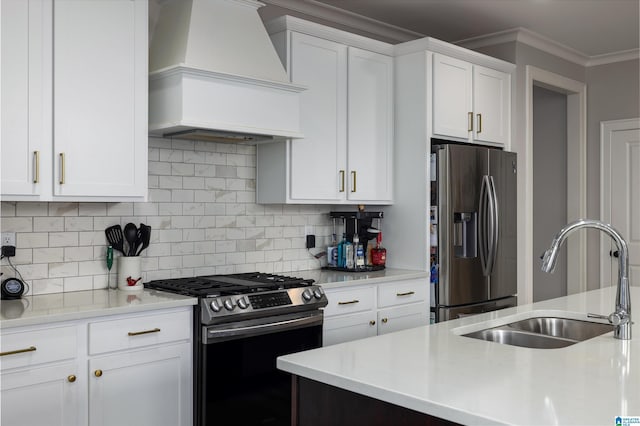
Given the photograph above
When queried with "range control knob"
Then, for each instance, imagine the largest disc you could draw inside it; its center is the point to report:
(306, 295)
(242, 303)
(228, 303)
(215, 305)
(318, 293)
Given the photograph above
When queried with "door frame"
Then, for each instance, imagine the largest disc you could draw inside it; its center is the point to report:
(576, 92)
(607, 128)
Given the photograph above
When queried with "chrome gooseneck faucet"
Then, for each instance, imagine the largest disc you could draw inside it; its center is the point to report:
(621, 317)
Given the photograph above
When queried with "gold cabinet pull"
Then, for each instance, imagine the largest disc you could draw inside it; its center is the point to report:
(18, 351)
(372, 322)
(470, 121)
(350, 302)
(62, 167)
(36, 167)
(408, 293)
(341, 180)
(97, 373)
(353, 175)
(479, 122)
(137, 333)
(385, 320)
(71, 378)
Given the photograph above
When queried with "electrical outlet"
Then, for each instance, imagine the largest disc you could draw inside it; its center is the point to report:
(8, 239)
(308, 230)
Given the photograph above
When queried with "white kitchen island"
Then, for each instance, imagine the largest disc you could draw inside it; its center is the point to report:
(436, 371)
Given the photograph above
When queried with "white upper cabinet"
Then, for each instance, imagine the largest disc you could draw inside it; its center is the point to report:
(370, 126)
(316, 160)
(346, 115)
(470, 102)
(80, 100)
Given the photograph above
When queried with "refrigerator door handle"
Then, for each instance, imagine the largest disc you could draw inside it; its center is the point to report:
(495, 226)
(483, 237)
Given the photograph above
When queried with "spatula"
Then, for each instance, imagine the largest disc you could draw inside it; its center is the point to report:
(145, 237)
(115, 237)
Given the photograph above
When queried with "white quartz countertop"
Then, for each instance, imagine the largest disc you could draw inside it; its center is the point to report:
(47, 308)
(329, 279)
(434, 370)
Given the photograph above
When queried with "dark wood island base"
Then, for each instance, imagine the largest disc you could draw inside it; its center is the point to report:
(318, 404)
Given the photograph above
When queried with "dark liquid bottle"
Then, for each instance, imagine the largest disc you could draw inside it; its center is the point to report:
(379, 253)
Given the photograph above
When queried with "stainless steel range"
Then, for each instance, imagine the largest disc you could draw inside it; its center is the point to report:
(242, 323)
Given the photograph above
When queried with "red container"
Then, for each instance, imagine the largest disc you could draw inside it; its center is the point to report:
(378, 254)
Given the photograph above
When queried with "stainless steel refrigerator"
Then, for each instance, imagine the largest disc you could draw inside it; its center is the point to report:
(473, 230)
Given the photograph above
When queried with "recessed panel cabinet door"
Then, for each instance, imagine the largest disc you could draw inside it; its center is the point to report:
(491, 105)
(42, 396)
(370, 131)
(318, 163)
(100, 97)
(25, 123)
(452, 97)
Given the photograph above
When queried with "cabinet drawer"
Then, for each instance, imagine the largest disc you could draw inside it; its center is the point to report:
(402, 317)
(349, 300)
(139, 331)
(401, 292)
(22, 348)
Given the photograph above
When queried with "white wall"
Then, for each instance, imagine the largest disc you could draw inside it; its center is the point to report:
(203, 216)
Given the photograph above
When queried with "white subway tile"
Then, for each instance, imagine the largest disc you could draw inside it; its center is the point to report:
(120, 209)
(92, 209)
(159, 168)
(63, 239)
(48, 224)
(170, 182)
(78, 223)
(17, 224)
(193, 261)
(178, 249)
(193, 234)
(48, 255)
(159, 195)
(214, 234)
(182, 169)
(72, 254)
(235, 258)
(47, 286)
(23, 256)
(95, 267)
(63, 269)
(189, 182)
(93, 238)
(180, 222)
(192, 209)
(171, 155)
(225, 246)
(182, 195)
(145, 209)
(216, 259)
(78, 284)
(32, 209)
(7, 209)
(32, 239)
(63, 209)
(204, 247)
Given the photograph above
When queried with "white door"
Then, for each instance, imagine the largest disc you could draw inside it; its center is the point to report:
(25, 93)
(100, 98)
(318, 161)
(491, 105)
(620, 195)
(146, 388)
(42, 396)
(370, 127)
(452, 97)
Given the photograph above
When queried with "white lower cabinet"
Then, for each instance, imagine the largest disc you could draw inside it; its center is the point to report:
(359, 311)
(133, 369)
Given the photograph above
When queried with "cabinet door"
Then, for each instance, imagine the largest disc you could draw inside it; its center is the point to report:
(25, 123)
(452, 97)
(100, 97)
(370, 128)
(151, 387)
(46, 395)
(317, 162)
(348, 327)
(402, 317)
(491, 105)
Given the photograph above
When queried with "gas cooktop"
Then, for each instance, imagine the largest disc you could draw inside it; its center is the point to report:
(226, 285)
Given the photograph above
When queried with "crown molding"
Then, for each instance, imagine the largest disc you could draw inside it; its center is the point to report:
(540, 42)
(387, 32)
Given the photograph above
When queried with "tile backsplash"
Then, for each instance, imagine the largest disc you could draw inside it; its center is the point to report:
(204, 220)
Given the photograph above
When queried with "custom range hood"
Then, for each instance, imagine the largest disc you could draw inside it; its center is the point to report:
(215, 75)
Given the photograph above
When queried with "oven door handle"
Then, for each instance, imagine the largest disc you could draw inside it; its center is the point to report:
(213, 334)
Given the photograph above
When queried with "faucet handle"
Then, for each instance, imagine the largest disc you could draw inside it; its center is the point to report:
(616, 318)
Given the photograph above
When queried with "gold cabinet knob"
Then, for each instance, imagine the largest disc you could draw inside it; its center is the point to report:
(372, 322)
(385, 320)
(71, 378)
(97, 373)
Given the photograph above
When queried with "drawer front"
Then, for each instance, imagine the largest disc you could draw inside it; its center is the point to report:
(21, 348)
(349, 300)
(402, 292)
(349, 327)
(139, 331)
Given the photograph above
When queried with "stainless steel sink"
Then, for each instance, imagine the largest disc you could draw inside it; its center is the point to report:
(542, 332)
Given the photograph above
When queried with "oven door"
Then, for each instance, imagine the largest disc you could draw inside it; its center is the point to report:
(237, 382)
